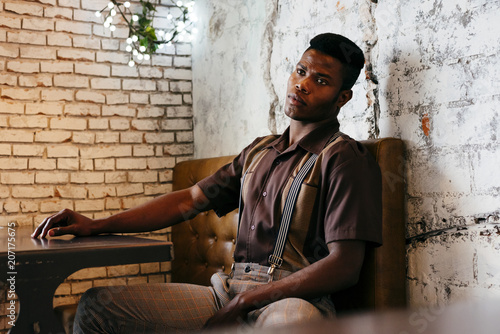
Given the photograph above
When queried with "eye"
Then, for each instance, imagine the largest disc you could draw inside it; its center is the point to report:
(300, 71)
(322, 81)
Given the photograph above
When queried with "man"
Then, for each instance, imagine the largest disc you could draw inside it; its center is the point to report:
(337, 212)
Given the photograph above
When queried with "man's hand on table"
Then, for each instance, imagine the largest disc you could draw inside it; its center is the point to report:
(64, 222)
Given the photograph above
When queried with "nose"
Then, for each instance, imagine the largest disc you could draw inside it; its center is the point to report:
(302, 86)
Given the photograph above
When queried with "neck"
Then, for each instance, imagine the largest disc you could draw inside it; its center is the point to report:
(299, 130)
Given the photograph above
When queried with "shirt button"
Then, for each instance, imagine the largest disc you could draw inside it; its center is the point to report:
(277, 162)
(248, 269)
(264, 193)
(252, 227)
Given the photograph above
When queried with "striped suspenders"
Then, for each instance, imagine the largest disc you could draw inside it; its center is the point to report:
(276, 259)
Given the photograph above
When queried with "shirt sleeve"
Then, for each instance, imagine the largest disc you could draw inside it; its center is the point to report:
(223, 187)
(354, 202)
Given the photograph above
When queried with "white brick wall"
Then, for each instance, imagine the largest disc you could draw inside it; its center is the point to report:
(82, 130)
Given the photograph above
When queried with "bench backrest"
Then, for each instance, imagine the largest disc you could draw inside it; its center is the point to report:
(205, 244)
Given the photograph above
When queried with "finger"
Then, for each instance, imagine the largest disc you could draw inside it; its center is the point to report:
(61, 230)
(47, 226)
(53, 221)
(40, 227)
(210, 321)
(207, 324)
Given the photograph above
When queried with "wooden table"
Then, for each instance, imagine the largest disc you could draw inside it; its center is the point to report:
(37, 267)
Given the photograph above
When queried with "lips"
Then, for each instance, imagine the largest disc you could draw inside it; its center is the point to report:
(296, 99)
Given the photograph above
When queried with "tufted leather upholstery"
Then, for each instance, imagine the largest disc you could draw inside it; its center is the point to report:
(383, 276)
(205, 244)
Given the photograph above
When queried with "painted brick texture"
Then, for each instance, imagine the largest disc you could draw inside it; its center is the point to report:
(80, 129)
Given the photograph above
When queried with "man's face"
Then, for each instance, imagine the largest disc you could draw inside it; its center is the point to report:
(314, 89)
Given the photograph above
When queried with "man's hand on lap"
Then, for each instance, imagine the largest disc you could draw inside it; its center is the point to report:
(234, 313)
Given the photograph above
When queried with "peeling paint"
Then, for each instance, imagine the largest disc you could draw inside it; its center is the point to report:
(216, 26)
(267, 49)
(370, 38)
(426, 126)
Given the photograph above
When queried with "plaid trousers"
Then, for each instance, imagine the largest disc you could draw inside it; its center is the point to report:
(178, 307)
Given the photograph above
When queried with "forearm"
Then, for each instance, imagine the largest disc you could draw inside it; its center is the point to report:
(158, 213)
(339, 270)
(334, 273)
(161, 212)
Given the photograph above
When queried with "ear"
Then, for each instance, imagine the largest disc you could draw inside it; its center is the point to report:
(344, 97)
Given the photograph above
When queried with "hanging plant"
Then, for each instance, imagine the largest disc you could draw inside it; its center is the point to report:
(143, 39)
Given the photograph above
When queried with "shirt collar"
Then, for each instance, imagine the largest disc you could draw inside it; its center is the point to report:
(314, 142)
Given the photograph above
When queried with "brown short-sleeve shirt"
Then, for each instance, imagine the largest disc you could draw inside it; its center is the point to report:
(340, 198)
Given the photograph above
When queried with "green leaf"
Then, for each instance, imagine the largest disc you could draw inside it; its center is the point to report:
(144, 22)
(150, 7)
(150, 31)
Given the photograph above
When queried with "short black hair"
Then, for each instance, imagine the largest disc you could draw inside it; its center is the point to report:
(343, 49)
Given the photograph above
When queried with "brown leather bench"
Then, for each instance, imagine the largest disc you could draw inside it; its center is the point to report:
(205, 244)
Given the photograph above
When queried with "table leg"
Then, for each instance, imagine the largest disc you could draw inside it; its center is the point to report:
(36, 314)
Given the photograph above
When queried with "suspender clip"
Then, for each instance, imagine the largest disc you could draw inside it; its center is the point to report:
(231, 274)
(275, 260)
(270, 272)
